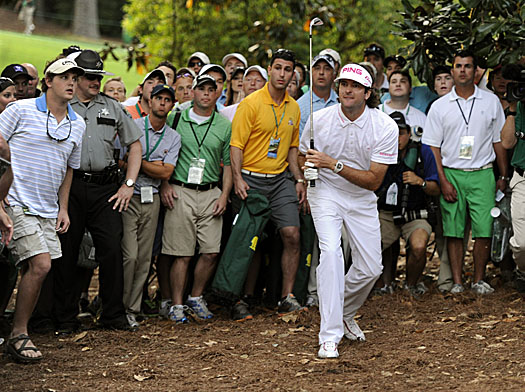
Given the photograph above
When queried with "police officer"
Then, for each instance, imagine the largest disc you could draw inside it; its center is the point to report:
(96, 199)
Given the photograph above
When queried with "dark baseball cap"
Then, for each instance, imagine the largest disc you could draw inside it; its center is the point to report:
(398, 59)
(13, 71)
(399, 119)
(155, 73)
(375, 49)
(90, 61)
(163, 87)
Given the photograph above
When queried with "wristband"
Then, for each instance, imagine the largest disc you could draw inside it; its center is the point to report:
(508, 112)
(504, 178)
(299, 181)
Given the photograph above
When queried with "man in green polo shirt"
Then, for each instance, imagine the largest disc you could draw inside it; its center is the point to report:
(513, 136)
(195, 204)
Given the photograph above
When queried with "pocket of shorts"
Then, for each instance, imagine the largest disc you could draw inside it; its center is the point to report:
(24, 232)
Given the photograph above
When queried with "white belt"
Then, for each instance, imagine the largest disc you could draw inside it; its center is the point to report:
(487, 166)
(255, 174)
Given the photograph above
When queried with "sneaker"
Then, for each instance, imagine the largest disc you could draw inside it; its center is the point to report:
(199, 308)
(416, 291)
(177, 313)
(289, 304)
(482, 288)
(241, 311)
(328, 350)
(132, 320)
(352, 330)
(164, 309)
(311, 301)
(457, 288)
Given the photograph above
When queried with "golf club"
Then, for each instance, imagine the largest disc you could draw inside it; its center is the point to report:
(313, 172)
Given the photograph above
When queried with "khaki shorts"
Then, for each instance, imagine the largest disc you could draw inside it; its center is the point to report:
(391, 232)
(32, 235)
(191, 221)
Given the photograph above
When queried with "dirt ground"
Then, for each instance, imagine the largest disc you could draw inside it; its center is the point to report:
(461, 342)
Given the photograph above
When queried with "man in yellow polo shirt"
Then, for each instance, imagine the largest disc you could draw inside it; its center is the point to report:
(264, 148)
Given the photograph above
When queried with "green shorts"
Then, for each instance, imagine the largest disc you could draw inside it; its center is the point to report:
(475, 193)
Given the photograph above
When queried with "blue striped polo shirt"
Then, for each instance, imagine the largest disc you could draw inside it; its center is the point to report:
(39, 163)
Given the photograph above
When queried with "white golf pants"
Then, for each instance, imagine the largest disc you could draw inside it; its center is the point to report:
(340, 295)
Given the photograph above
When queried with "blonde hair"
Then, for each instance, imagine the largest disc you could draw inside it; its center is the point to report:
(114, 79)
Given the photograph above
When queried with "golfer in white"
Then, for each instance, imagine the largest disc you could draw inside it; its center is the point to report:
(354, 144)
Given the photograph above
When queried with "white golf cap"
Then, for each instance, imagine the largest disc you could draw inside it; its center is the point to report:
(237, 56)
(356, 73)
(257, 68)
(61, 66)
(201, 56)
(332, 53)
(213, 67)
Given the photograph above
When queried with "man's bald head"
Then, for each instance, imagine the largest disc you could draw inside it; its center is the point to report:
(32, 84)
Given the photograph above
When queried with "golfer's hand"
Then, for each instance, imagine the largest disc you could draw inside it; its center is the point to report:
(167, 195)
(320, 159)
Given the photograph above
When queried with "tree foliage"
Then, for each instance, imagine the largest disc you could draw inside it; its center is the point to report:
(493, 30)
(173, 29)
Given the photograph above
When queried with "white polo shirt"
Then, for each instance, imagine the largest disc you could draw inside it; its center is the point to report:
(446, 125)
(413, 117)
(39, 163)
(373, 137)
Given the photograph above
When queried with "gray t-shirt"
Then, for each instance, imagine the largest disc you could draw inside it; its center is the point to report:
(167, 150)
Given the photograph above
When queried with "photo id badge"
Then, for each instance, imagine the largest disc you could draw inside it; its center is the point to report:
(391, 195)
(274, 146)
(466, 144)
(196, 171)
(146, 194)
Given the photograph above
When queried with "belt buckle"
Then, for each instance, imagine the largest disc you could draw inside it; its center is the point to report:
(87, 177)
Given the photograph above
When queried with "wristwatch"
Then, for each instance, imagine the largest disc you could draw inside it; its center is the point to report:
(300, 181)
(509, 112)
(129, 182)
(424, 184)
(338, 167)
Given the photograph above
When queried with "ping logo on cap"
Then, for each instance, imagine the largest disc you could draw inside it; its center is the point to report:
(357, 71)
(18, 68)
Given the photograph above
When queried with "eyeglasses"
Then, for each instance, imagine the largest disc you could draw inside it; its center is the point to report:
(184, 75)
(54, 138)
(192, 64)
(92, 77)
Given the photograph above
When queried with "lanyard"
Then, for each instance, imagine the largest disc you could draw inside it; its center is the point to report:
(139, 109)
(205, 134)
(280, 121)
(148, 152)
(463, 114)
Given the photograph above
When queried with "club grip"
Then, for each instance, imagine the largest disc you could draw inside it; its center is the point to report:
(312, 182)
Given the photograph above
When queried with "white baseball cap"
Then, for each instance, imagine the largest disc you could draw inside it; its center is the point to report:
(201, 56)
(237, 56)
(61, 66)
(356, 73)
(257, 68)
(332, 53)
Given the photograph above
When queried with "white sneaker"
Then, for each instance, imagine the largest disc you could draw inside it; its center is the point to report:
(352, 330)
(132, 320)
(457, 289)
(328, 350)
(311, 301)
(164, 309)
(482, 288)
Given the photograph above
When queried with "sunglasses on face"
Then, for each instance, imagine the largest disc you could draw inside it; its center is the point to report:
(92, 77)
(192, 64)
(184, 75)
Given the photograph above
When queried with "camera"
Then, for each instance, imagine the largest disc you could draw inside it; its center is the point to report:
(516, 88)
(416, 132)
(409, 216)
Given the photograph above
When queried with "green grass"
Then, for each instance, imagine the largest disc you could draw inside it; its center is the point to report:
(38, 49)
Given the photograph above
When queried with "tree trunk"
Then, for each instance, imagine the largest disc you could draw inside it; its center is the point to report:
(85, 20)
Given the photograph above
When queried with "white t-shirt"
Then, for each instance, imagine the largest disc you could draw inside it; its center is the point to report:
(413, 117)
(373, 137)
(446, 127)
(229, 111)
(131, 101)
